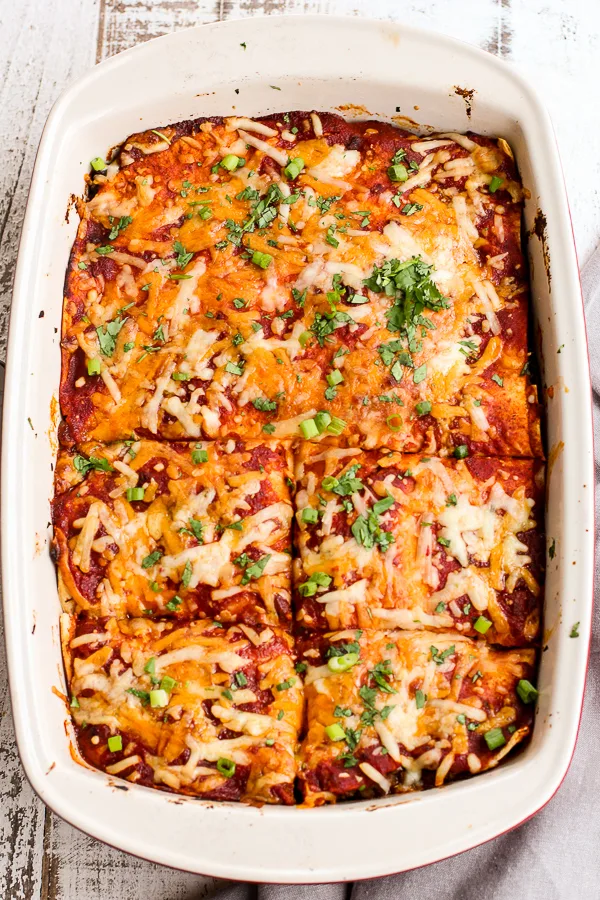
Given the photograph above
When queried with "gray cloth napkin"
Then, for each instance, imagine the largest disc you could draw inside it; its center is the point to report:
(554, 856)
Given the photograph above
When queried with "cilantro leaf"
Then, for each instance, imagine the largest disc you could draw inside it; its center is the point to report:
(94, 463)
(264, 405)
(412, 290)
(324, 203)
(123, 222)
(107, 335)
(183, 257)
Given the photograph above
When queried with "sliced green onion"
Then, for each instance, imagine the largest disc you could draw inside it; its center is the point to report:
(262, 260)
(335, 732)
(322, 420)
(98, 164)
(495, 183)
(335, 377)
(419, 699)
(308, 429)
(226, 767)
(423, 408)
(382, 505)
(398, 173)
(199, 456)
(293, 168)
(93, 366)
(304, 338)
(151, 559)
(494, 738)
(329, 482)
(181, 376)
(342, 663)
(526, 691)
(461, 452)
(134, 494)
(231, 162)
(392, 423)
(482, 625)
(159, 698)
(308, 589)
(310, 515)
(336, 426)
(167, 683)
(74, 702)
(174, 604)
(115, 743)
(321, 578)
(316, 580)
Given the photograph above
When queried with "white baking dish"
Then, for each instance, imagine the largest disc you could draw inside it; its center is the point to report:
(322, 63)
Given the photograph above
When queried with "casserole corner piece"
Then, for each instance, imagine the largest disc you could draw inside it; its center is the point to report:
(295, 364)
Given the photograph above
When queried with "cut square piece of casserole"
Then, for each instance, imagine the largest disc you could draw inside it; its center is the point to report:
(235, 277)
(395, 540)
(395, 711)
(187, 530)
(195, 708)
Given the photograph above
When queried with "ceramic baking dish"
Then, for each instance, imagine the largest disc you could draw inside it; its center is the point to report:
(352, 66)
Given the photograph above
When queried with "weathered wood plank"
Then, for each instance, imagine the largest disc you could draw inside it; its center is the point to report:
(79, 868)
(21, 813)
(557, 47)
(32, 74)
(124, 23)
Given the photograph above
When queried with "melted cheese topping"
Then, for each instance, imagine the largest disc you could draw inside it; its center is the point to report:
(204, 330)
(197, 677)
(453, 544)
(230, 281)
(204, 540)
(437, 695)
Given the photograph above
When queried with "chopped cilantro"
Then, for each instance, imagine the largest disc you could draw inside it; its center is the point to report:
(324, 203)
(123, 222)
(183, 257)
(151, 559)
(93, 463)
(441, 656)
(410, 287)
(262, 404)
(107, 335)
(186, 576)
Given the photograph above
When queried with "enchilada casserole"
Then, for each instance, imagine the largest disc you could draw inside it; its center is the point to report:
(298, 512)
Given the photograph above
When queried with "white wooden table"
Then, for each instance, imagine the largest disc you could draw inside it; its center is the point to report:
(44, 45)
